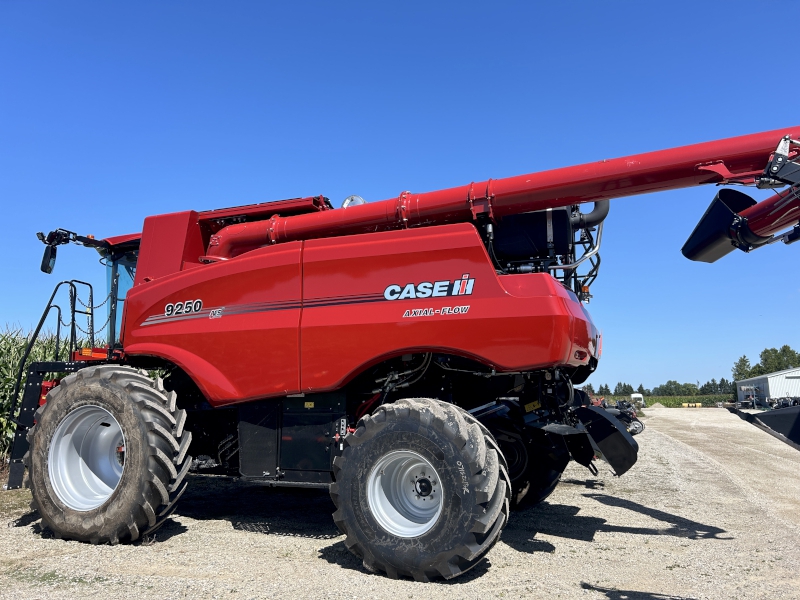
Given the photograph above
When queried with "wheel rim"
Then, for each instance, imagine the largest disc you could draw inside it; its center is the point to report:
(86, 458)
(404, 493)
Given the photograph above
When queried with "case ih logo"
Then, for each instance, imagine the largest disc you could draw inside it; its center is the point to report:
(426, 289)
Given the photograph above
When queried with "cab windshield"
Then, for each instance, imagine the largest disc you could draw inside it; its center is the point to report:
(120, 273)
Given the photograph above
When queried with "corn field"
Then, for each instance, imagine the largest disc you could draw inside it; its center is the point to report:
(678, 401)
(709, 401)
(12, 348)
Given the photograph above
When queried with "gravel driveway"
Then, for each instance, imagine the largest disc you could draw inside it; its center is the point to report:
(711, 510)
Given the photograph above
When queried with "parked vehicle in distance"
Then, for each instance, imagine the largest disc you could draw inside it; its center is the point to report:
(785, 402)
(626, 412)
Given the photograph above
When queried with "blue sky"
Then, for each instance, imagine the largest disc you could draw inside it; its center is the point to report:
(110, 112)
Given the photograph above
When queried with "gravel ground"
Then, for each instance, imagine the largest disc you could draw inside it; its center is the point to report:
(711, 510)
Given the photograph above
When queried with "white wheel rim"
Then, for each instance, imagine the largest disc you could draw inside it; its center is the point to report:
(86, 458)
(404, 493)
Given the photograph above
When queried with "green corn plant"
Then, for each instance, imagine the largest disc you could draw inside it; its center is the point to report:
(12, 349)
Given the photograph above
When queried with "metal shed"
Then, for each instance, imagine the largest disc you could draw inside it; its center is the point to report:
(780, 384)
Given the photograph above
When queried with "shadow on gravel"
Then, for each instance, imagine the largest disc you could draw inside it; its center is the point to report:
(33, 521)
(592, 484)
(169, 529)
(679, 526)
(613, 594)
(338, 554)
(560, 520)
(474, 573)
(291, 512)
(257, 508)
(25, 520)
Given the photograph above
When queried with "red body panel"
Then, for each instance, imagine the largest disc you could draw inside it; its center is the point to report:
(173, 242)
(256, 346)
(534, 324)
(252, 350)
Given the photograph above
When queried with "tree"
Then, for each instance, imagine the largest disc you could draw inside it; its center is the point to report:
(623, 389)
(770, 361)
(773, 359)
(741, 369)
(673, 388)
(589, 389)
(643, 390)
(709, 387)
(604, 390)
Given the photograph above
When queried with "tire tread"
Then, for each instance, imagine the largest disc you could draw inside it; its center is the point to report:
(490, 480)
(167, 465)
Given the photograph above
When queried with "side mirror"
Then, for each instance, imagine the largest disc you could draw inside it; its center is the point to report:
(49, 259)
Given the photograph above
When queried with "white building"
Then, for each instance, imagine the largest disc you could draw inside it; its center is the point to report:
(772, 385)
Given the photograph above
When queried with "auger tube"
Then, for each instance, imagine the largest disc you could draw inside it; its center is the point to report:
(733, 160)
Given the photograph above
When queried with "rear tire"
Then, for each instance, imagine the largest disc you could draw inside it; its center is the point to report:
(538, 488)
(420, 492)
(541, 487)
(533, 464)
(108, 455)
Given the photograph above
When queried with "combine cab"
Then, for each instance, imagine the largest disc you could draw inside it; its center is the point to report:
(416, 356)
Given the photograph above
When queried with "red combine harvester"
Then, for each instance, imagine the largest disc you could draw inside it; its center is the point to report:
(417, 355)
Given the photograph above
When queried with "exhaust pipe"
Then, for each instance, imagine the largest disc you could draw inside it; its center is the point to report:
(597, 216)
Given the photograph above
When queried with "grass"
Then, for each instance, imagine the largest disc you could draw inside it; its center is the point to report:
(14, 503)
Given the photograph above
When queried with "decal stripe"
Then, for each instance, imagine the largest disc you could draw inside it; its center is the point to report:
(312, 304)
(243, 309)
(335, 300)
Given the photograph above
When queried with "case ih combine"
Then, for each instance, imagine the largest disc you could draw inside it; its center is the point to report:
(417, 355)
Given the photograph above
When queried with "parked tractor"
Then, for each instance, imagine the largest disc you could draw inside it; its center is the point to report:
(415, 356)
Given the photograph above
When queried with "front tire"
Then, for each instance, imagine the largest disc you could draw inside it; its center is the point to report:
(108, 456)
(419, 492)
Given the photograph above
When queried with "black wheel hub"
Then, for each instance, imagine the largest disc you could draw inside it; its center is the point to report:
(423, 487)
